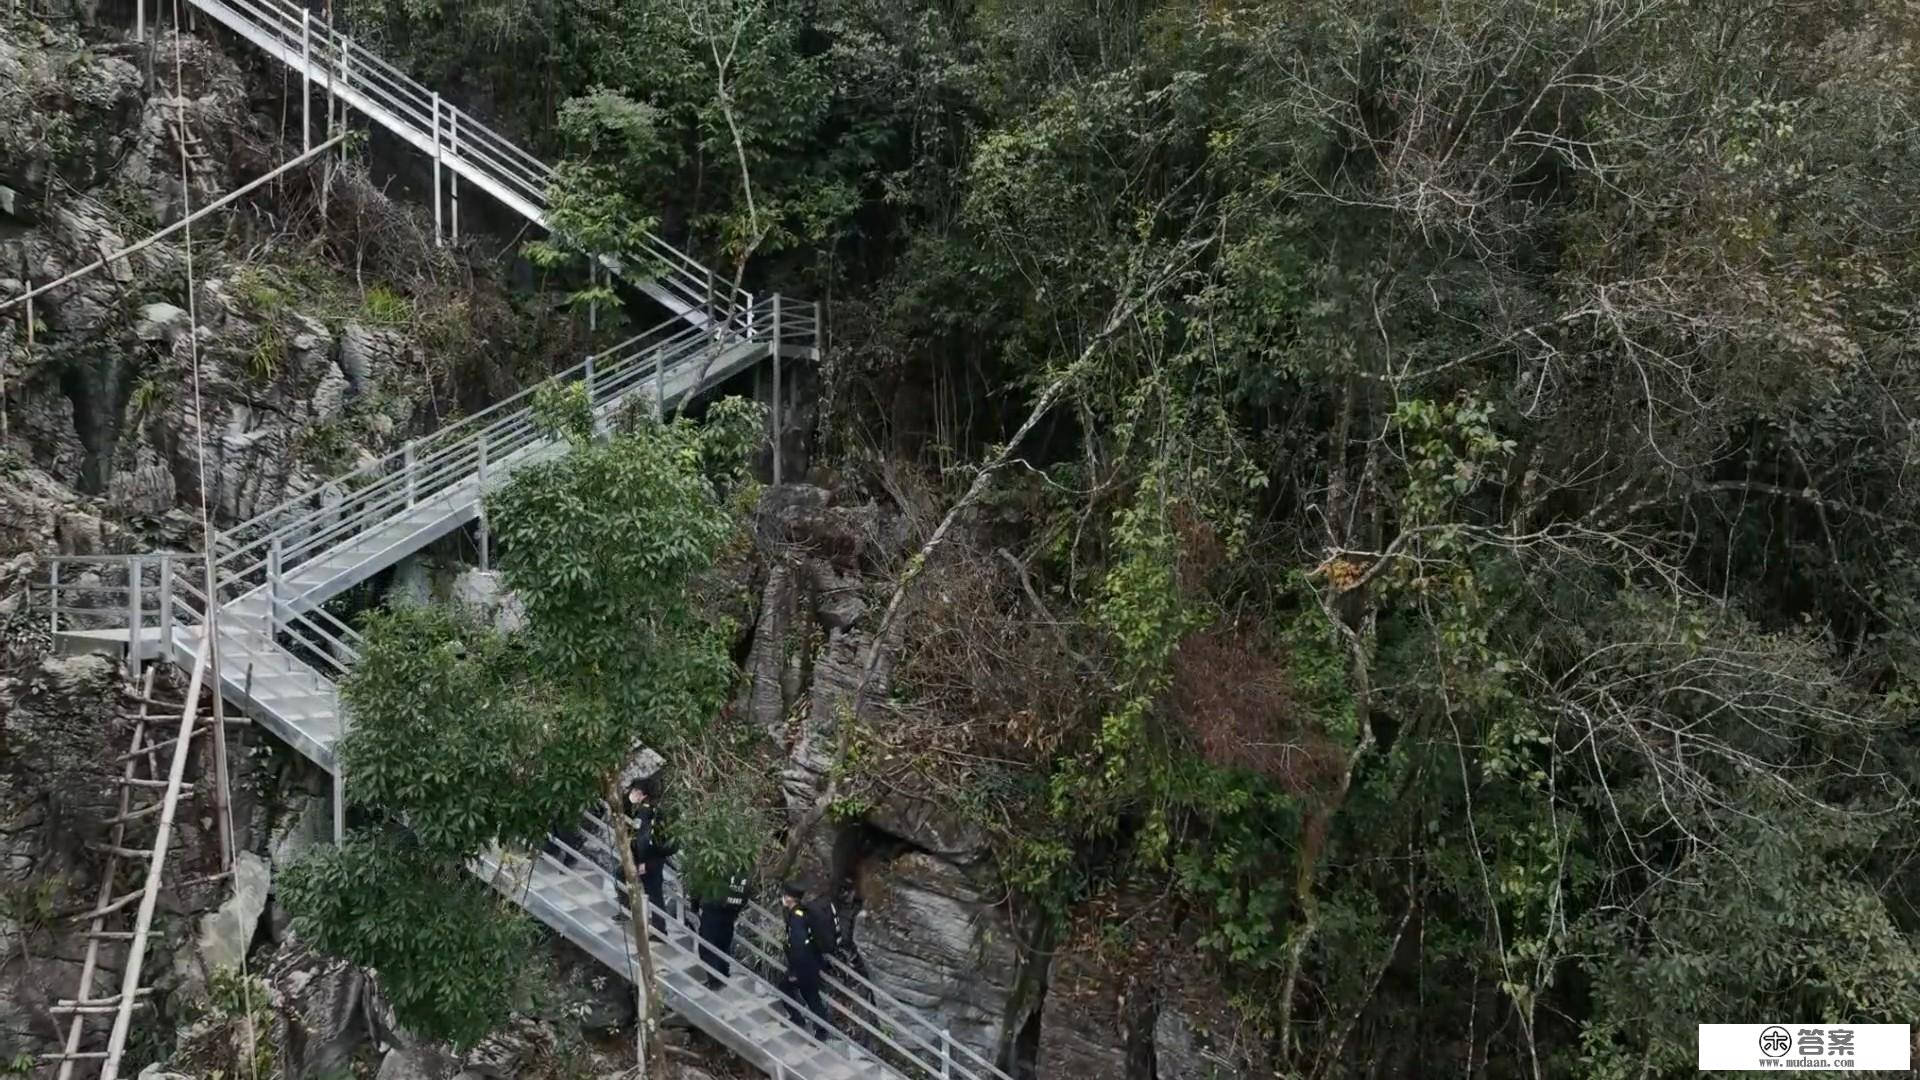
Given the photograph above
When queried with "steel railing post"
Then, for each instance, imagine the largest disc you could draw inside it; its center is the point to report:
(453, 144)
(273, 589)
(166, 606)
(774, 347)
(306, 80)
(593, 306)
(133, 616)
(406, 459)
(53, 595)
(659, 385)
(140, 20)
(946, 1054)
(346, 84)
(438, 220)
(481, 499)
(592, 422)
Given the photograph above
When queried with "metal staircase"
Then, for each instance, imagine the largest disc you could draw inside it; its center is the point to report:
(328, 60)
(278, 653)
(281, 654)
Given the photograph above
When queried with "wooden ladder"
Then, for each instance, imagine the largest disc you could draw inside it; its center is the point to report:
(127, 917)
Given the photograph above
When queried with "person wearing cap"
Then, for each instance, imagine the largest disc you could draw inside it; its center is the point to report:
(803, 962)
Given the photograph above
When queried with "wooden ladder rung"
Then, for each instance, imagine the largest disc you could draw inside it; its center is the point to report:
(185, 788)
(78, 1055)
(118, 935)
(135, 815)
(154, 748)
(90, 1010)
(122, 852)
(117, 903)
(113, 1000)
(161, 703)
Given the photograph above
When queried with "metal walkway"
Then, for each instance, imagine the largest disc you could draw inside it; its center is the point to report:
(280, 653)
(328, 61)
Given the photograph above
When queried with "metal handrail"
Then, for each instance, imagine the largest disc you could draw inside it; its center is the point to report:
(766, 959)
(766, 936)
(769, 990)
(452, 136)
(615, 369)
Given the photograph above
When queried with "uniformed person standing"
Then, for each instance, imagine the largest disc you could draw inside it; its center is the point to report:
(650, 848)
(803, 961)
(718, 914)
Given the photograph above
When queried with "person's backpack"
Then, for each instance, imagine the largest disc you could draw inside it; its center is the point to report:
(824, 928)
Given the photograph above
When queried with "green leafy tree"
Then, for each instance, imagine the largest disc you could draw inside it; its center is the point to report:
(464, 736)
(451, 956)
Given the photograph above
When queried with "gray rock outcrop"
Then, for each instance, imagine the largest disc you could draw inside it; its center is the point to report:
(935, 940)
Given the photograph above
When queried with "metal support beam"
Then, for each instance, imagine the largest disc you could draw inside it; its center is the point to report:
(413, 482)
(306, 80)
(774, 347)
(273, 589)
(339, 802)
(439, 220)
(453, 140)
(166, 608)
(593, 423)
(133, 617)
(484, 538)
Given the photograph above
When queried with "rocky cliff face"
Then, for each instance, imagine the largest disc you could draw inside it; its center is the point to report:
(304, 345)
(276, 371)
(933, 920)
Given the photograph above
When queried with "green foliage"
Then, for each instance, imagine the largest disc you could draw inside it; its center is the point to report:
(561, 410)
(268, 355)
(233, 1028)
(719, 828)
(452, 958)
(383, 306)
(601, 546)
(148, 397)
(462, 735)
(260, 289)
(451, 731)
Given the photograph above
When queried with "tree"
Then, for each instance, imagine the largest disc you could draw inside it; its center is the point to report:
(451, 957)
(464, 736)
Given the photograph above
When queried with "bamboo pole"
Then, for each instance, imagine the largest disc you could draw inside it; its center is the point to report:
(166, 232)
(156, 866)
(649, 1053)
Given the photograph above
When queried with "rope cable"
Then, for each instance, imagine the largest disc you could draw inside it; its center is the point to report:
(206, 512)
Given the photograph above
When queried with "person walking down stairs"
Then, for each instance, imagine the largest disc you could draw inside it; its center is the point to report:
(718, 913)
(806, 954)
(651, 849)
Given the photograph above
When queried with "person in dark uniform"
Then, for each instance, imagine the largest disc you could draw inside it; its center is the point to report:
(570, 839)
(650, 848)
(717, 915)
(803, 962)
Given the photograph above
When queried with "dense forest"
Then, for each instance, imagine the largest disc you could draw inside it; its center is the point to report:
(1415, 496)
(1452, 461)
